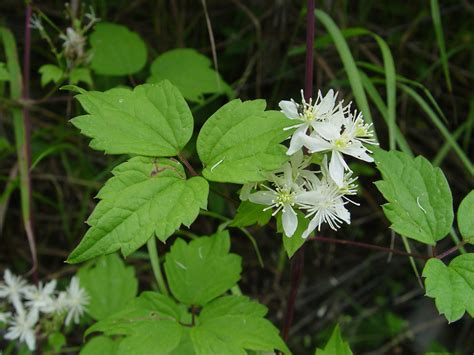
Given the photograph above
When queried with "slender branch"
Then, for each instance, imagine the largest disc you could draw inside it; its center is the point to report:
(451, 250)
(368, 246)
(187, 165)
(155, 265)
(26, 148)
(298, 259)
(309, 50)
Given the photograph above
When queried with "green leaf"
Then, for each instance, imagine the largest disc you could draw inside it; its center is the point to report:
(116, 50)
(100, 345)
(179, 65)
(293, 243)
(80, 74)
(420, 205)
(145, 196)
(250, 213)
(50, 73)
(240, 142)
(451, 286)
(466, 217)
(56, 341)
(4, 75)
(150, 321)
(335, 345)
(203, 269)
(232, 324)
(110, 285)
(152, 120)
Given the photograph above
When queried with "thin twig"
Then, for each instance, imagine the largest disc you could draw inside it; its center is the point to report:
(451, 250)
(187, 165)
(368, 246)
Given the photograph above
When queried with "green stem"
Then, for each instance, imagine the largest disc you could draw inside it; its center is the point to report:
(155, 265)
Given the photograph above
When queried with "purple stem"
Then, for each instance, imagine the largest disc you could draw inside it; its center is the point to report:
(308, 92)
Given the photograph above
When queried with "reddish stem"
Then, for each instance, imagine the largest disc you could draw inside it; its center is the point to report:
(309, 50)
(368, 246)
(451, 250)
(187, 165)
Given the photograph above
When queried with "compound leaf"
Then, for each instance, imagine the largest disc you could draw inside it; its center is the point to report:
(250, 213)
(50, 73)
(100, 345)
(451, 286)
(420, 204)
(110, 285)
(179, 65)
(203, 269)
(239, 143)
(116, 50)
(152, 120)
(233, 324)
(145, 196)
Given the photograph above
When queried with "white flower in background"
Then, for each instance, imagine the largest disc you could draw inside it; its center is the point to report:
(339, 138)
(22, 327)
(73, 44)
(60, 303)
(281, 198)
(76, 300)
(40, 297)
(308, 114)
(324, 203)
(5, 316)
(13, 288)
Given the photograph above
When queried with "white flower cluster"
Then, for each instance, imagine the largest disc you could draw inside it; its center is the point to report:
(329, 129)
(29, 302)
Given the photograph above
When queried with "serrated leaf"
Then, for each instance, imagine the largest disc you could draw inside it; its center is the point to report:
(293, 243)
(239, 143)
(50, 73)
(116, 50)
(146, 196)
(152, 120)
(420, 204)
(451, 286)
(179, 65)
(335, 345)
(110, 285)
(249, 213)
(4, 75)
(80, 74)
(466, 217)
(100, 345)
(203, 269)
(150, 321)
(233, 324)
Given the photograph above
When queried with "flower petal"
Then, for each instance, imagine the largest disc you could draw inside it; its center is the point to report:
(313, 224)
(358, 151)
(289, 221)
(329, 130)
(316, 144)
(289, 109)
(327, 103)
(262, 197)
(297, 140)
(336, 168)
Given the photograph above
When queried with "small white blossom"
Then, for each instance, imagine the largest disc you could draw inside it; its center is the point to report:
(73, 44)
(41, 297)
(5, 316)
(22, 327)
(76, 298)
(36, 23)
(308, 115)
(338, 137)
(13, 288)
(324, 203)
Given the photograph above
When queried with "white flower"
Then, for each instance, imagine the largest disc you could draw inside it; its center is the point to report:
(13, 288)
(76, 300)
(22, 327)
(282, 198)
(308, 115)
(338, 137)
(324, 203)
(73, 44)
(35, 23)
(5, 316)
(41, 297)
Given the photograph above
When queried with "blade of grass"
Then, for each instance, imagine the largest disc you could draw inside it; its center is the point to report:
(382, 107)
(21, 128)
(438, 124)
(438, 159)
(438, 27)
(348, 62)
